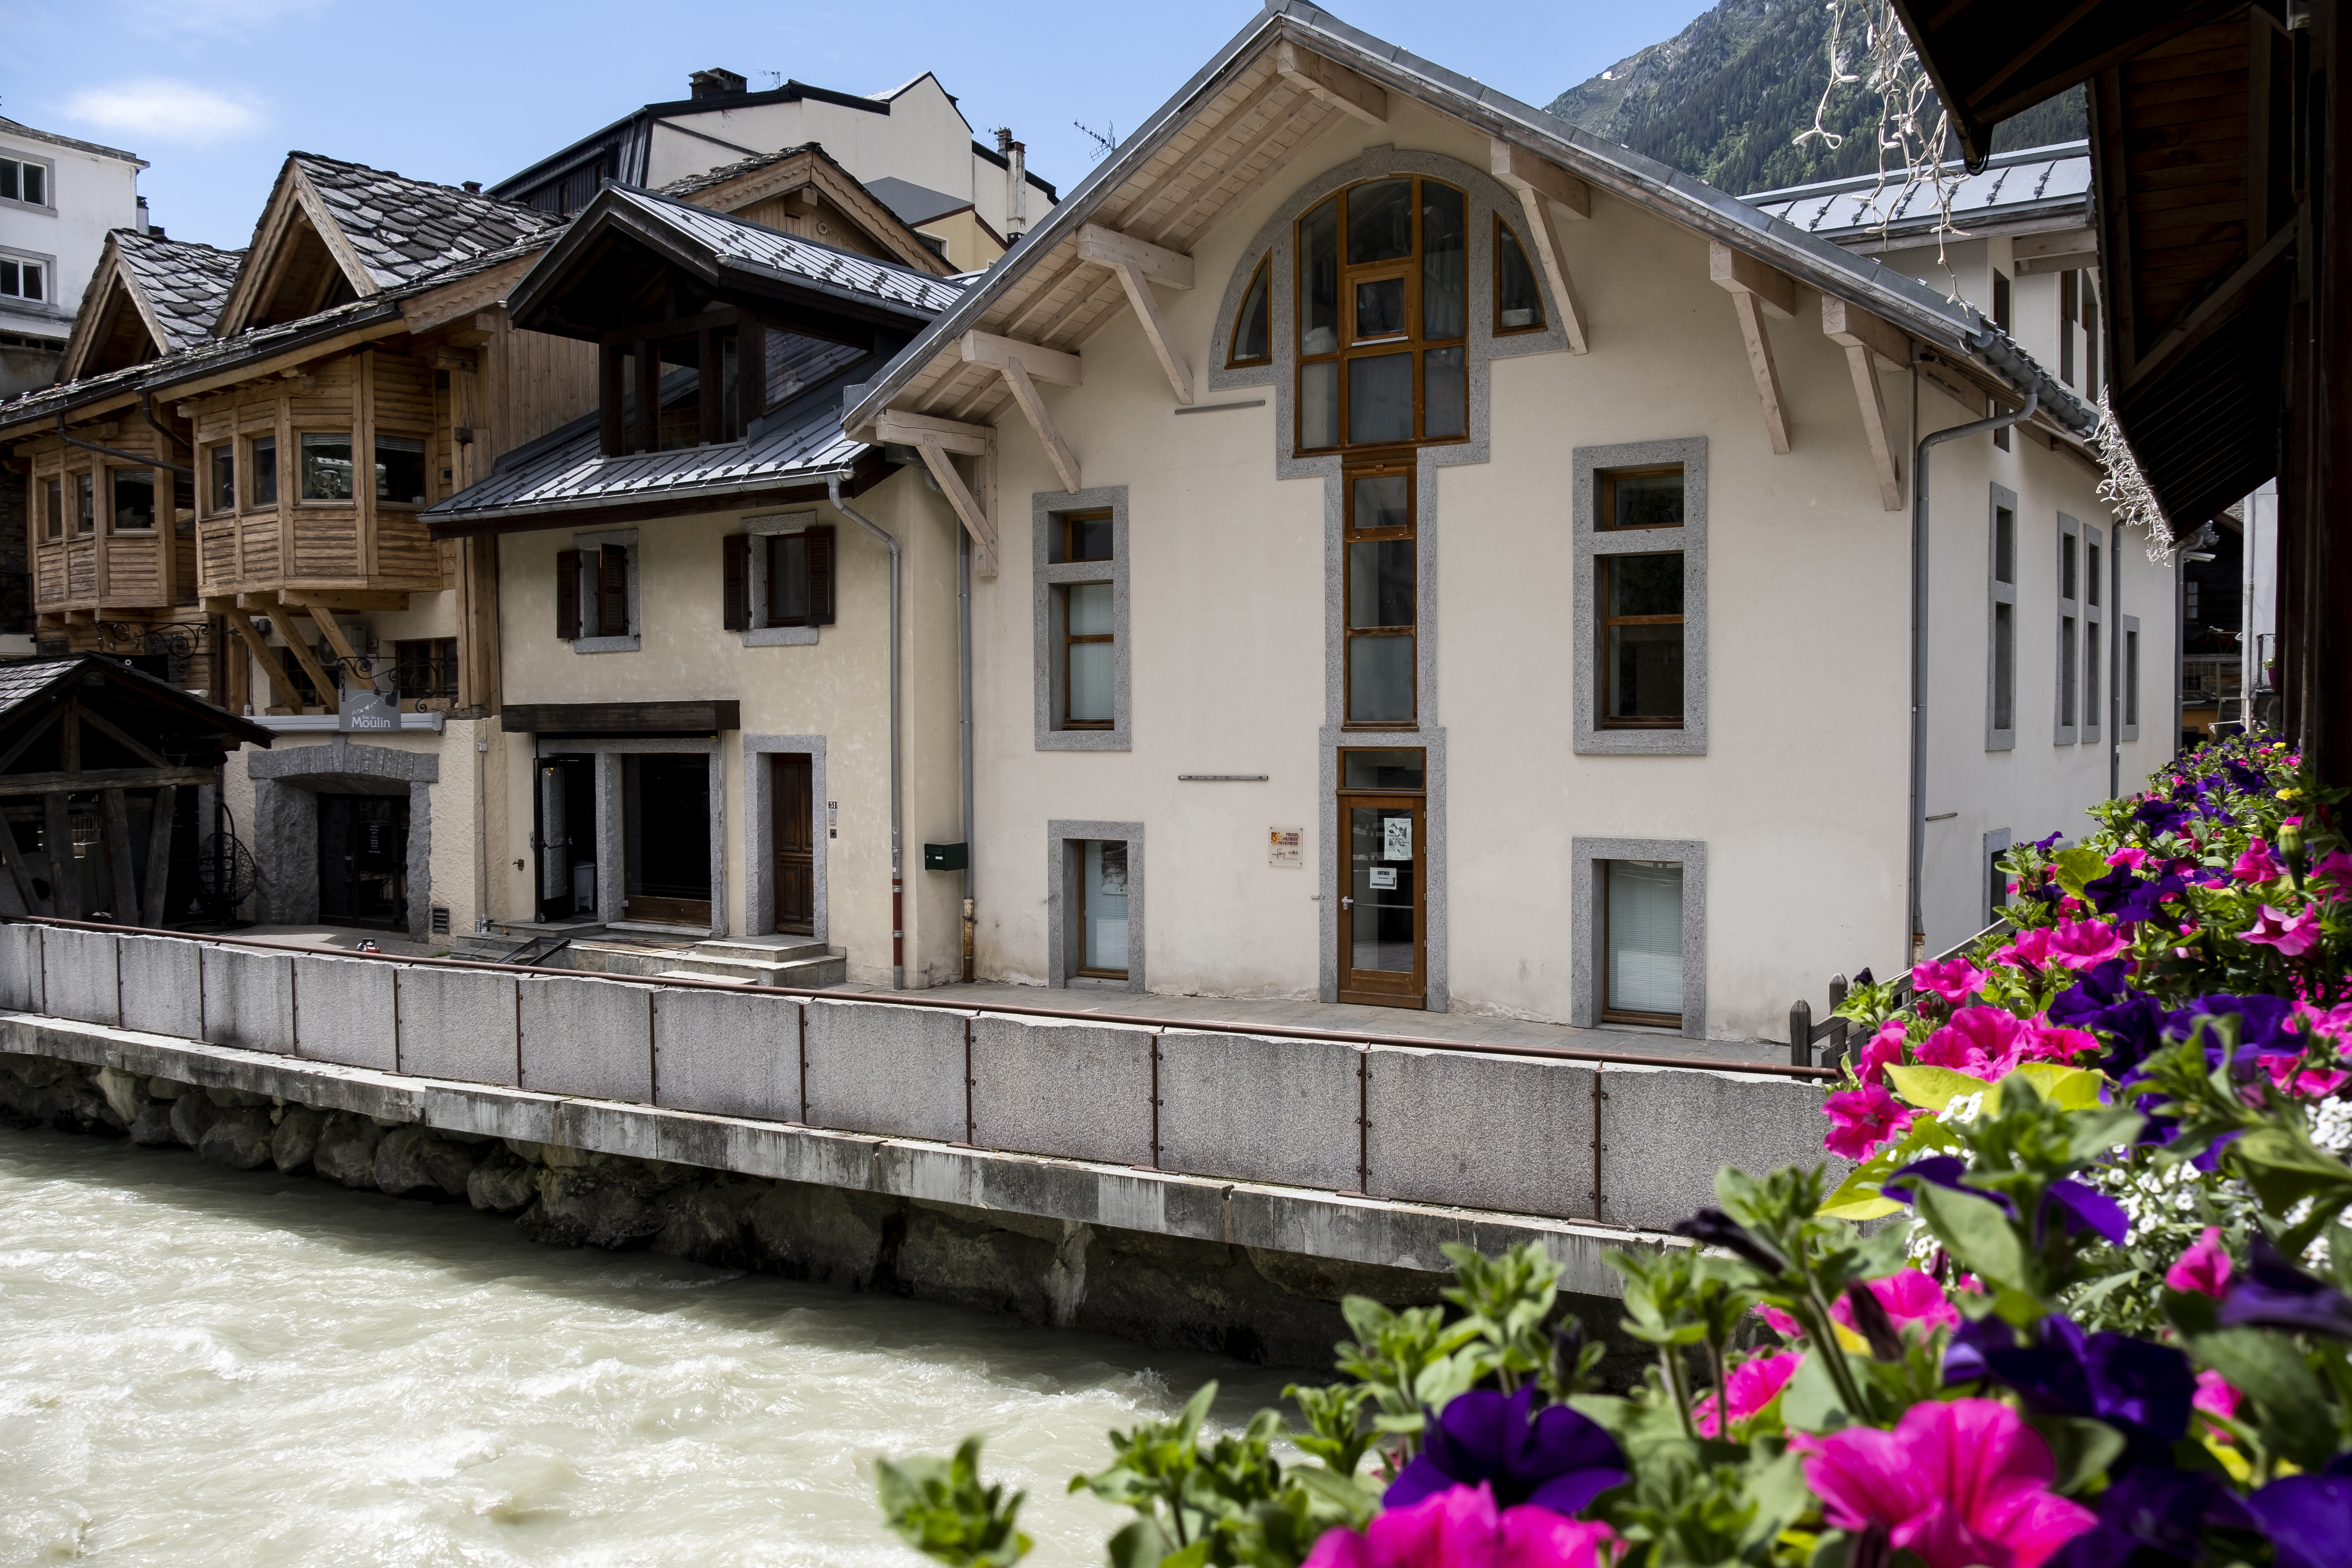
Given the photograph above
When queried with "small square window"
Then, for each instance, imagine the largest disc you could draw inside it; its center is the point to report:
(1640, 498)
(326, 467)
(1087, 536)
(399, 470)
(22, 279)
(133, 499)
(22, 180)
(425, 667)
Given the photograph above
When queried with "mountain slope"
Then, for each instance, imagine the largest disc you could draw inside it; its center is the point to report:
(1725, 98)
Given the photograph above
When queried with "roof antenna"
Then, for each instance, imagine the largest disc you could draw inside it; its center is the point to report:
(1105, 141)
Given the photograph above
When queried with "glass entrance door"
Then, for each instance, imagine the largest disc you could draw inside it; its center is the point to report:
(1380, 901)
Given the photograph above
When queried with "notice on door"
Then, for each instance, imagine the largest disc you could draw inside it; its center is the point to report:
(1286, 847)
(1384, 878)
(1396, 838)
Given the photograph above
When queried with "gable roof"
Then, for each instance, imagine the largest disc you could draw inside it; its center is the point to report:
(735, 186)
(381, 229)
(175, 285)
(713, 245)
(2035, 186)
(1239, 118)
(31, 683)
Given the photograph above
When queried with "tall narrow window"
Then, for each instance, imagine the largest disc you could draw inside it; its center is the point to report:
(1641, 602)
(1253, 326)
(1383, 316)
(400, 471)
(2094, 634)
(2090, 337)
(220, 470)
(262, 488)
(1519, 301)
(53, 508)
(1102, 908)
(133, 506)
(1382, 610)
(325, 466)
(2070, 631)
(2131, 680)
(1086, 613)
(85, 505)
(1642, 905)
(2001, 722)
(2066, 294)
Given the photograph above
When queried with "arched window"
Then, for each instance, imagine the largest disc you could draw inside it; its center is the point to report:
(1383, 310)
(1254, 323)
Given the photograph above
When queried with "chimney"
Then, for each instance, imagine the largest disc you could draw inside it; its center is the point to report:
(144, 226)
(473, 187)
(714, 83)
(1017, 183)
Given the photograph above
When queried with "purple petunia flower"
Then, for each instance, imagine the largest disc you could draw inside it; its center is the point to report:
(1560, 1459)
(2142, 1390)
(2309, 1517)
(2274, 1294)
(2263, 1023)
(2155, 1512)
(2160, 816)
(2081, 1207)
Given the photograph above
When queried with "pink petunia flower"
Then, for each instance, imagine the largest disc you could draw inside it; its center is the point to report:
(1862, 1118)
(2334, 866)
(1754, 1384)
(2214, 1395)
(2312, 1083)
(2204, 1269)
(1963, 1483)
(1882, 1050)
(2256, 865)
(1787, 1327)
(2292, 938)
(1952, 981)
(1982, 1042)
(2129, 855)
(2085, 944)
(1462, 1528)
(1909, 1296)
(2043, 1041)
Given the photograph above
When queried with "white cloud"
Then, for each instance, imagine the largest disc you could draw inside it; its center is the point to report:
(160, 109)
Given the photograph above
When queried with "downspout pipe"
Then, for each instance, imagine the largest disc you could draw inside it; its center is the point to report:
(1915, 935)
(964, 673)
(898, 793)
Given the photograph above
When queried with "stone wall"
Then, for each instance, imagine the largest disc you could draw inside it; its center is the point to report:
(1173, 1291)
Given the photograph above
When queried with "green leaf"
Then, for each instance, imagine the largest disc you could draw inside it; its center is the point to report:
(1974, 1230)
(1353, 1499)
(2077, 865)
(1142, 1545)
(2069, 1089)
(1932, 1089)
(1858, 1198)
(2082, 1448)
(1810, 1401)
(2298, 1420)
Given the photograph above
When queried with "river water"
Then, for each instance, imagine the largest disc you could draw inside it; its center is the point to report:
(199, 1366)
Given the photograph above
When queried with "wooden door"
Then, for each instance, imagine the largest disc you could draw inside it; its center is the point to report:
(792, 831)
(1381, 900)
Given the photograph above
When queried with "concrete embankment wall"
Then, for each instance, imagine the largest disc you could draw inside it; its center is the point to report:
(1316, 1166)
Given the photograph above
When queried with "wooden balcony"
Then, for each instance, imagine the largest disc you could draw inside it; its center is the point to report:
(111, 539)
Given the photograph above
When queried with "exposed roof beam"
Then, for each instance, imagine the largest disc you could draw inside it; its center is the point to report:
(1862, 335)
(894, 426)
(1756, 288)
(1344, 90)
(1024, 392)
(967, 506)
(1043, 363)
(935, 440)
(1524, 171)
(278, 682)
(1743, 274)
(1517, 168)
(1139, 265)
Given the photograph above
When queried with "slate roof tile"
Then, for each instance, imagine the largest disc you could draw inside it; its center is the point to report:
(184, 282)
(405, 229)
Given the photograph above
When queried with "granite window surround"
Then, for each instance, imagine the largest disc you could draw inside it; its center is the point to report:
(611, 870)
(2066, 666)
(587, 544)
(1587, 961)
(1590, 540)
(1996, 886)
(759, 827)
(1998, 592)
(760, 634)
(2127, 659)
(1436, 992)
(1064, 864)
(1047, 609)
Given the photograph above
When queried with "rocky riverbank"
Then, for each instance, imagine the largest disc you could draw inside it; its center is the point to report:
(1242, 1301)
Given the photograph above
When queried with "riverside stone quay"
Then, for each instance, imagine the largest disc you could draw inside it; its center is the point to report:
(1183, 1186)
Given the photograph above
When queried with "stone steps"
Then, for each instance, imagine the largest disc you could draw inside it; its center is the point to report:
(801, 965)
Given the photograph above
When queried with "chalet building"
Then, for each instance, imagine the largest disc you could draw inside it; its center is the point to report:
(911, 148)
(699, 581)
(1475, 563)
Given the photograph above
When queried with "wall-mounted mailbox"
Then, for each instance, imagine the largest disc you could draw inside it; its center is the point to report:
(945, 857)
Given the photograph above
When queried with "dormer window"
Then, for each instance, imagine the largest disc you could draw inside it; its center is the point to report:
(674, 384)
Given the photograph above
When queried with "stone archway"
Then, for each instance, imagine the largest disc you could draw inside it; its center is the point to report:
(284, 833)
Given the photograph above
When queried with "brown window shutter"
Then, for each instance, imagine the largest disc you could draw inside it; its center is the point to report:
(736, 582)
(820, 576)
(613, 590)
(567, 594)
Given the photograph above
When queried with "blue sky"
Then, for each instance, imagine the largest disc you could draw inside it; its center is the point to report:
(213, 93)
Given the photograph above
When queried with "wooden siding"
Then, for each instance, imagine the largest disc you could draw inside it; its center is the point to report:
(2185, 170)
(110, 573)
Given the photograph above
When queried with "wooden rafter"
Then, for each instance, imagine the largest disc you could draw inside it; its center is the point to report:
(1757, 290)
(1863, 336)
(1022, 365)
(1543, 186)
(328, 627)
(1350, 92)
(935, 439)
(1138, 263)
(242, 624)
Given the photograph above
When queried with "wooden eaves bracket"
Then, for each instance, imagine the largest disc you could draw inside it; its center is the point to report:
(1139, 265)
(1756, 289)
(1865, 336)
(1543, 185)
(935, 439)
(1022, 365)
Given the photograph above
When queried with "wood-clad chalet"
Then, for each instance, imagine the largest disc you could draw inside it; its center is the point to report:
(2223, 187)
(151, 296)
(100, 767)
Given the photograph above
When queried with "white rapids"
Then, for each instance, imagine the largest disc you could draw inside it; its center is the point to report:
(199, 1366)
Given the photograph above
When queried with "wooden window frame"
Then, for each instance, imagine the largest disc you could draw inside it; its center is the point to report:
(1349, 347)
(1351, 535)
(211, 498)
(155, 484)
(255, 469)
(1604, 491)
(1065, 527)
(820, 563)
(53, 509)
(1261, 276)
(448, 663)
(1503, 227)
(385, 502)
(1608, 1015)
(641, 435)
(352, 499)
(85, 502)
(1071, 639)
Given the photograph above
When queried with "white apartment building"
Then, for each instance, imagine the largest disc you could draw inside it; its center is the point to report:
(58, 198)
